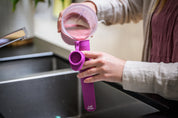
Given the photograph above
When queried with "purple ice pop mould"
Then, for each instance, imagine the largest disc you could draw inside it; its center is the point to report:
(78, 23)
(77, 59)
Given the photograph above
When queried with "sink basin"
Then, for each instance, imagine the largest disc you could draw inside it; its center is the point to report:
(23, 65)
(58, 93)
(42, 85)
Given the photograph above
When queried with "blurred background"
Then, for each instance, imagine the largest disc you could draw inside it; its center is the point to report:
(123, 41)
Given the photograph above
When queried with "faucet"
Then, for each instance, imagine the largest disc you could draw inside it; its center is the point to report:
(14, 36)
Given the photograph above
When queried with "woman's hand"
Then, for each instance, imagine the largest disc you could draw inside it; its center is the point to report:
(102, 67)
(88, 3)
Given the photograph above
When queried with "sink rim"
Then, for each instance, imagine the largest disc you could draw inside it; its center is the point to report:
(28, 56)
(41, 75)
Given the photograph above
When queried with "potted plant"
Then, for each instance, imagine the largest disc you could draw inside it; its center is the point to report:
(14, 3)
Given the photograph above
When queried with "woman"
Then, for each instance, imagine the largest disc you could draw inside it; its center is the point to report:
(158, 73)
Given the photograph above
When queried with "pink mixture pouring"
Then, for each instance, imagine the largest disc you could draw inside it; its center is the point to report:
(77, 27)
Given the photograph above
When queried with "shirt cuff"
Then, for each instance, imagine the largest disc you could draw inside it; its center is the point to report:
(138, 77)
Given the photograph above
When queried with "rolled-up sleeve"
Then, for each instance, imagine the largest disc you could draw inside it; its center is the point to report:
(159, 78)
(119, 11)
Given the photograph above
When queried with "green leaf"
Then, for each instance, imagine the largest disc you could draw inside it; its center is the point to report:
(14, 3)
(36, 2)
(62, 4)
(49, 3)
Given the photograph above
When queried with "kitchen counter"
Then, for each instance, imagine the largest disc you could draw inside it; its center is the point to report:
(37, 46)
(58, 92)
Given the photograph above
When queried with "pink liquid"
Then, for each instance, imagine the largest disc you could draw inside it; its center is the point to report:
(78, 32)
(77, 27)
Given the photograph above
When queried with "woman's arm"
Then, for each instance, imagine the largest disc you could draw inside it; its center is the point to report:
(145, 77)
(119, 11)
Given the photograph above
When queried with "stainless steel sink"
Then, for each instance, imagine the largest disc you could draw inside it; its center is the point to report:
(41, 85)
(58, 93)
(24, 65)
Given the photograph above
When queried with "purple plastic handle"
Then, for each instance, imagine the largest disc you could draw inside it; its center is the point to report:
(77, 59)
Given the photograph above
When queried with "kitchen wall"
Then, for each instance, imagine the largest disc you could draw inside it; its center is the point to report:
(22, 17)
(124, 41)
